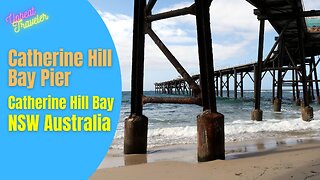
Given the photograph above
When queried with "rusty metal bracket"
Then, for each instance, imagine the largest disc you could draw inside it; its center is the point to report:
(172, 100)
(170, 14)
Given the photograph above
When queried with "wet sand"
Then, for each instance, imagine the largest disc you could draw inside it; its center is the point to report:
(265, 159)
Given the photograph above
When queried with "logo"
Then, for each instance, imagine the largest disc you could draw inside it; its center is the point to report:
(26, 19)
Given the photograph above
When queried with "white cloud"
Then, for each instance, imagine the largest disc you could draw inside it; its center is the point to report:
(311, 4)
(175, 6)
(120, 27)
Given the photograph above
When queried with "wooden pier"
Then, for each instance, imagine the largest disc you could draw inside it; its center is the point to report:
(293, 54)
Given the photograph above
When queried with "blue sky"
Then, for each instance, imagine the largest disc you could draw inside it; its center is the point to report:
(234, 34)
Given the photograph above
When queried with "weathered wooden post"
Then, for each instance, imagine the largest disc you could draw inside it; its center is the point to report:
(210, 123)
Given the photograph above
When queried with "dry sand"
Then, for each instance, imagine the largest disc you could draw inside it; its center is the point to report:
(301, 161)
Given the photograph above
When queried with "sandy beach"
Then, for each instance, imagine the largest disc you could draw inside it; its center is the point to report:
(280, 159)
(280, 147)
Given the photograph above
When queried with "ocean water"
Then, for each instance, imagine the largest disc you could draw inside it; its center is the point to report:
(313, 21)
(175, 124)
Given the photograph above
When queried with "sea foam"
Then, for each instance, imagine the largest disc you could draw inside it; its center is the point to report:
(235, 131)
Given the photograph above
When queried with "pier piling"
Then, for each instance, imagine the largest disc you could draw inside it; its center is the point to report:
(278, 100)
(257, 112)
(210, 124)
(241, 85)
(273, 86)
(298, 100)
(217, 85)
(135, 136)
(293, 86)
(277, 105)
(306, 110)
(210, 128)
(316, 78)
(235, 84)
(221, 84)
(228, 85)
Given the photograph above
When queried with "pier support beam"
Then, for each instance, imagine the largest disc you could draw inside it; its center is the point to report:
(228, 87)
(210, 124)
(310, 83)
(273, 86)
(217, 85)
(257, 112)
(235, 84)
(316, 79)
(210, 127)
(293, 87)
(277, 104)
(278, 101)
(136, 126)
(306, 110)
(307, 113)
(221, 85)
(241, 85)
(135, 135)
(298, 100)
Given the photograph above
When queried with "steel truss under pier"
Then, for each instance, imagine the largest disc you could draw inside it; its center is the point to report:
(289, 53)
